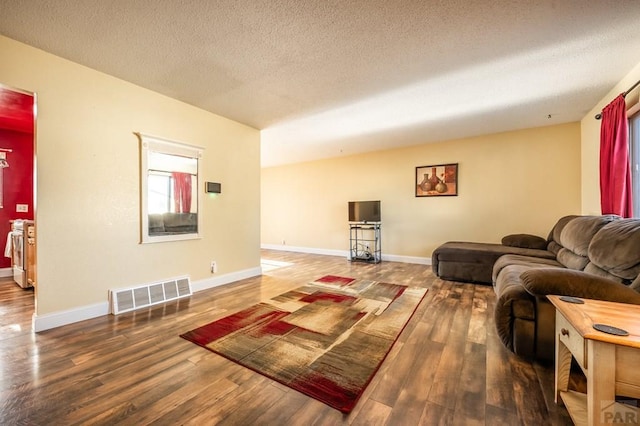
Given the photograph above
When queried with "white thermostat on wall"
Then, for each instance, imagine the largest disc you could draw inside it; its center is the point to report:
(22, 208)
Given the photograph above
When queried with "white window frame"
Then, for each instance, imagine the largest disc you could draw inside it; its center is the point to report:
(155, 144)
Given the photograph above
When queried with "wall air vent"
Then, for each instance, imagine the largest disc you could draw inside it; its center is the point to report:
(129, 299)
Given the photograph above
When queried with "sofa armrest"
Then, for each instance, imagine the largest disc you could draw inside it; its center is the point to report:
(525, 241)
(567, 282)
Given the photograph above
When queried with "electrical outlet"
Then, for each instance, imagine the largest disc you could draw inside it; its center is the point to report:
(284, 243)
(214, 267)
(22, 208)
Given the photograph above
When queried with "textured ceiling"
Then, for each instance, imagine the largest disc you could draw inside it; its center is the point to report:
(327, 78)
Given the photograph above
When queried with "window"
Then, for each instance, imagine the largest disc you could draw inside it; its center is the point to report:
(169, 185)
(160, 192)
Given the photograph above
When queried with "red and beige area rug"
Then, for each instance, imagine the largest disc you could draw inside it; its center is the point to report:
(326, 339)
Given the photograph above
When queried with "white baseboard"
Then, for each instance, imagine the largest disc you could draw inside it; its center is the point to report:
(310, 250)
(407, 259)
(6, 272)
(345, 253)
(70, 316)
(60, 318)
(217, 281)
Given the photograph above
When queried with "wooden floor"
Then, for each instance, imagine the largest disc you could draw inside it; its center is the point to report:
(447, 368)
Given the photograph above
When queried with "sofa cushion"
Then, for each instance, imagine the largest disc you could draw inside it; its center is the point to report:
(554, 247)
(593, 269)
(577, 234)
(476, 252)
(473, 262)
(528, 261)
(556, 231)
(525, 241)
(575, 238)
(570, 260)
(616, 249)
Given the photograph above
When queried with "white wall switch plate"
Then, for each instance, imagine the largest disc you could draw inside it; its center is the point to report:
(23, 208)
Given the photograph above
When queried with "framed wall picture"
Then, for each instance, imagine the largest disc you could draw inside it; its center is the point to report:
(437, 181)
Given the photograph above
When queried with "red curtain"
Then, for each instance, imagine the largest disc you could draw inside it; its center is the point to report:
(182, 192)
(615, 172)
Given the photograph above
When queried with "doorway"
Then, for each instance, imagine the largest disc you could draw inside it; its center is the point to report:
(17, 202)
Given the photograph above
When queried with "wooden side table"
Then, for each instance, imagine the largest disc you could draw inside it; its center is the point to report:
(611, 363)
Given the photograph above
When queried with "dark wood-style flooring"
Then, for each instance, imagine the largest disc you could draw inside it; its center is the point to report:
(447, 368)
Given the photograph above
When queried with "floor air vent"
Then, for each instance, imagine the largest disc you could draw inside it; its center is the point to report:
(129, 299)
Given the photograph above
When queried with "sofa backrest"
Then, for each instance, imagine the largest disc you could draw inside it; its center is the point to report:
(554, 236)
(575, 237)
(614, 252)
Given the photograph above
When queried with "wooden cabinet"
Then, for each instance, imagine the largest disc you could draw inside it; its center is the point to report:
(609, 362)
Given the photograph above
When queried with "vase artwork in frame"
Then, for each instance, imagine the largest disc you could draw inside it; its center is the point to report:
(436, 181)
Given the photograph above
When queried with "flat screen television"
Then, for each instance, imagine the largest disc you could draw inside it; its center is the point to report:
(364, 211)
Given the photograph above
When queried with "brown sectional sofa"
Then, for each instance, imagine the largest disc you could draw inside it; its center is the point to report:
(172, 223)
(473, 262)
(595, 257)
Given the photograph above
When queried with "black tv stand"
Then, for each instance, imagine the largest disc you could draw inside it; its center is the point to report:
(364, 242)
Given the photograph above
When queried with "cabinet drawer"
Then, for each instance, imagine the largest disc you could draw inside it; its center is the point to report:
(571, 339)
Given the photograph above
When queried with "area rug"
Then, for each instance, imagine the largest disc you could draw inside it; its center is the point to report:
(325, 339)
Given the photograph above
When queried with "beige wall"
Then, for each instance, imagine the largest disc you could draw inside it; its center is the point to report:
(88, 182)
(590, 133)
(515, 182)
